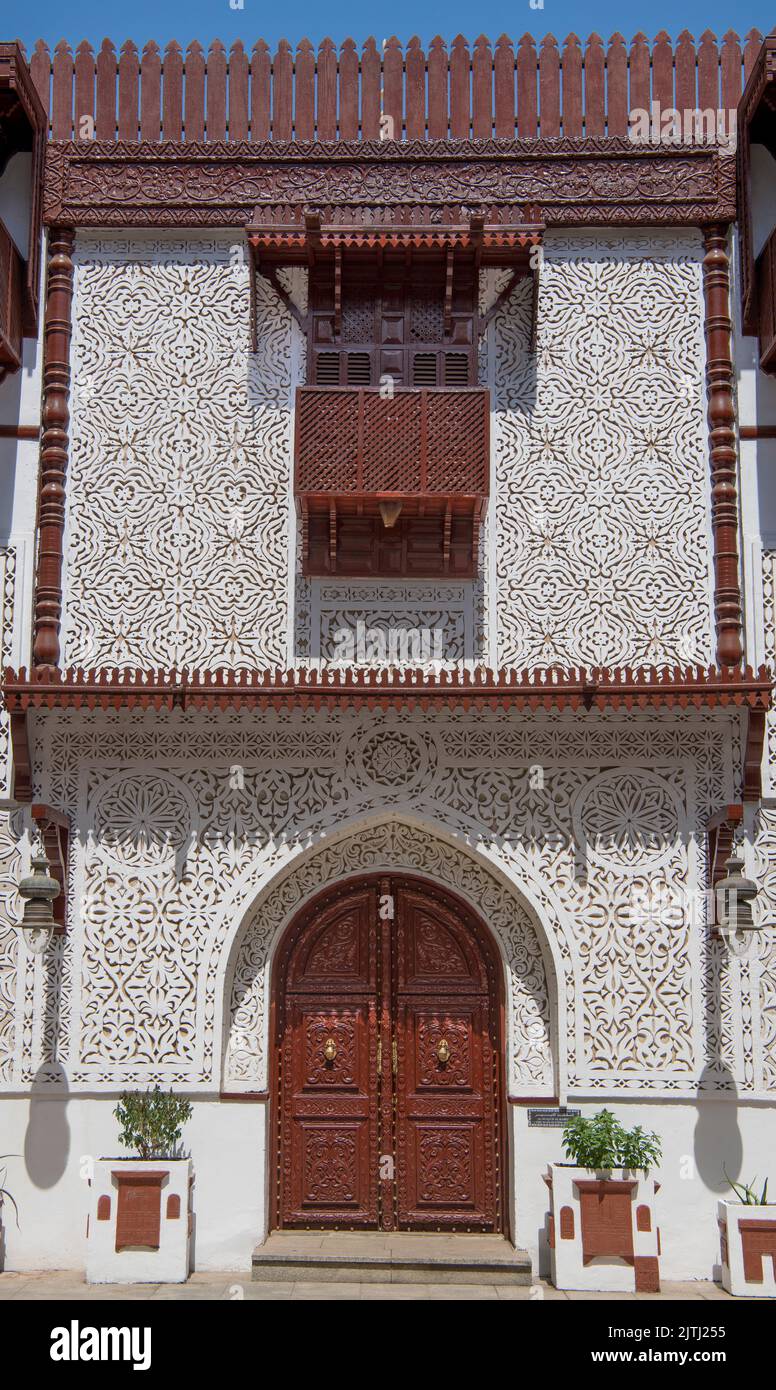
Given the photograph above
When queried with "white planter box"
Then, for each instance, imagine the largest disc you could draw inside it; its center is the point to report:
(139, 1225)
(603, 1234)
(748, 1246)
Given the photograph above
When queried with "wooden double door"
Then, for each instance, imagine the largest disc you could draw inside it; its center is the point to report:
(388, 1086)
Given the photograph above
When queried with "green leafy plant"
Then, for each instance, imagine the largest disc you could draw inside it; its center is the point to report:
(152, 1122)
(599, 1141)
(747, 1194)
(5, 1195)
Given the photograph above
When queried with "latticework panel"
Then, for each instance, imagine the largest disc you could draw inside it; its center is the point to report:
(391, 443)
(457, 442)
(359, 441)
(327, 458)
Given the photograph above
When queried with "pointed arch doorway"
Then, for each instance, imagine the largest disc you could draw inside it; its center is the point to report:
(388, 1067)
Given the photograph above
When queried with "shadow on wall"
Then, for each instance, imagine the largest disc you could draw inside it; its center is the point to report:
(717, 1143)
(47, 1141)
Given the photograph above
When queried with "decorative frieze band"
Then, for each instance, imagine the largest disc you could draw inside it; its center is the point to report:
(599, 182)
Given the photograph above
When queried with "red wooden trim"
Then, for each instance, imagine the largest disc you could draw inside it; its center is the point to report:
(757, 431)
(19, 431)
(54, 447)
(245, 1096)
(644, 688)
(728, 614)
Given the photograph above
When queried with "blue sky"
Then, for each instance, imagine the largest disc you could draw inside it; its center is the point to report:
(208, 19)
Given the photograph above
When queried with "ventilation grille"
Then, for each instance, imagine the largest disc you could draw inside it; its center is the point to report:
(424, 369)
(456, 369)
(359, 369)
(327, 369)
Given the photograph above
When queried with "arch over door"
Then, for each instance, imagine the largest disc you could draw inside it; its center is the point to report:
(388, 1080)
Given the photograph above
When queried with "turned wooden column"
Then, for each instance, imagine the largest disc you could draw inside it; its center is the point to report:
(722, 445)
(53, 446)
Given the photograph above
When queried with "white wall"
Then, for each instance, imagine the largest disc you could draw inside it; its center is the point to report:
(55, 1139)
(227, 1143)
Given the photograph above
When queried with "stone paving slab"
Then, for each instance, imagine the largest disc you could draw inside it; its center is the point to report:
(202, 1286)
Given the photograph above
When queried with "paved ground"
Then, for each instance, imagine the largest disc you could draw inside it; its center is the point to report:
(66, 1284)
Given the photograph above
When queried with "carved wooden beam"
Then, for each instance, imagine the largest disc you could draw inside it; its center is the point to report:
(54, 446)
(568, 182)
(728, 616)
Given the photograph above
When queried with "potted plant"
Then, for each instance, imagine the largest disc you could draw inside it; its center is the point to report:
(5, 1196)
(139, 1228)
(602, 1230)
(747, 1230)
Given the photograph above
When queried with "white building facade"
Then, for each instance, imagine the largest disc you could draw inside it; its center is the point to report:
(538, 805)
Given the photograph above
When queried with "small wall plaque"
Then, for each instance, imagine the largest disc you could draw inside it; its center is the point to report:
(551, 1116)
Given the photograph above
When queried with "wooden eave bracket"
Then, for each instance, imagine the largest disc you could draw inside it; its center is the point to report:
(720, 830)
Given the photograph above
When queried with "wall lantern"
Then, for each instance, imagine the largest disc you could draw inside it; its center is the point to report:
(734, 897)
(39, 890)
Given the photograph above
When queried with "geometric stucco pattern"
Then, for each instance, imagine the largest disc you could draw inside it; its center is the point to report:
(603, 554)
(179, 479)
(187, 824)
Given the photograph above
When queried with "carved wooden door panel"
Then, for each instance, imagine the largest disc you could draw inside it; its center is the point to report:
(446, 1074)
(328, 1074)
(388, 1065)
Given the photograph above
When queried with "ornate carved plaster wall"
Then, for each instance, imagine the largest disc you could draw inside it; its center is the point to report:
(180, 518)
(602, 493)
(179, 492)
(184, 821)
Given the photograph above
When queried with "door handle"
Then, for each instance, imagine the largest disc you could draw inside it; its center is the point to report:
(394, 1057)
(443, 1052)
(330, 1049)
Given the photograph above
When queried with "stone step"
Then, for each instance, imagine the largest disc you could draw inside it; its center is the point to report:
(375, 1257)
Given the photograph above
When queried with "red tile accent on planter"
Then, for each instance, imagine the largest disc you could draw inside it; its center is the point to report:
(551, 1235)
(643, 1218)
(566, 1223)
(103, 1208)
(139, 1213)
(723, 1242)
(173, 1206)
(607, 1229)
(758, 1239)
(647, 1273)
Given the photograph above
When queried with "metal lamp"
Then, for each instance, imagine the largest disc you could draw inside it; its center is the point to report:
(735, 895)
(39, 890)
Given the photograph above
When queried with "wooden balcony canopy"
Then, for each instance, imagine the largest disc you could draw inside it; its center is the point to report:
(391, 484)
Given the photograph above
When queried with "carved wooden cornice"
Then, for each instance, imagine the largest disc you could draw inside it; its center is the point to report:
(573, 182)
(543, 688)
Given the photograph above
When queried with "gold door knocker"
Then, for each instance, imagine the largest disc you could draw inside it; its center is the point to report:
(443, 1052)
(329, 1050)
